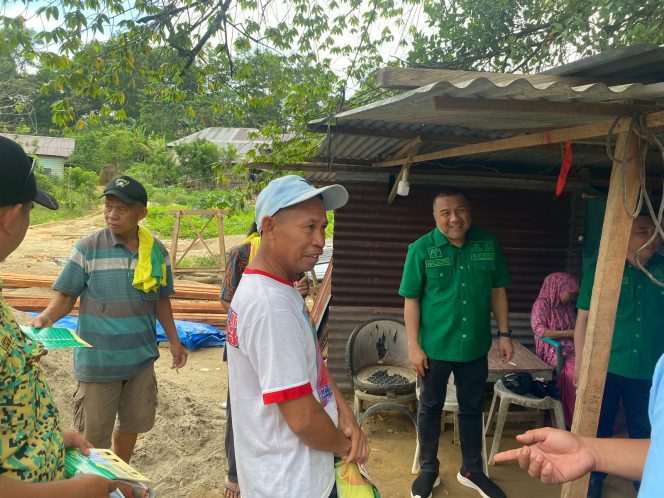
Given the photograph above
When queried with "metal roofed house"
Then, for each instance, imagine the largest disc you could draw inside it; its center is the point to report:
(503, 138)
(241, 139)
(52, 152)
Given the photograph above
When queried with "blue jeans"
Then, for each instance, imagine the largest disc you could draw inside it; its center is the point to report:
(333, 494)
(635, 394)
(470, 379)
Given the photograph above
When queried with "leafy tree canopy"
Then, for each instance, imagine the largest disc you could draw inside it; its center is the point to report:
(169, 48)
(531, 35)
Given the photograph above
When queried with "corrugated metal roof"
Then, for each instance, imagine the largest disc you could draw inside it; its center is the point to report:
(644, 62)
(44, 146)
(243, 139)
(416, 107)
(377, 131)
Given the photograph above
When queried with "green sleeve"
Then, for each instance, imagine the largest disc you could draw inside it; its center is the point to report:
(586, 290)
(501, 277)
(413, 278)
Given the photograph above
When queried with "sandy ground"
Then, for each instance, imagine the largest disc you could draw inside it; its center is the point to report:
(184, 453)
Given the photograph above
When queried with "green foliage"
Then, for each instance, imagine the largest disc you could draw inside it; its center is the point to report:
(199, 262)
(531, 35)
(76, 191)
(182, 66)
(198, 162)
(40, 215)
(159, 220)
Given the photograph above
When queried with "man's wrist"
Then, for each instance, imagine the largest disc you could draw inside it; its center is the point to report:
(504, 333)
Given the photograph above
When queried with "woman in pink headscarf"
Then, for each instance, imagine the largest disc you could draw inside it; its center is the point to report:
(554, 316)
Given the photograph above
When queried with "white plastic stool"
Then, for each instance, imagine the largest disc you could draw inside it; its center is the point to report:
(451, 405)
(508, 397)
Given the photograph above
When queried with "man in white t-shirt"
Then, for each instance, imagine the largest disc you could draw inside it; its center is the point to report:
(289, 417)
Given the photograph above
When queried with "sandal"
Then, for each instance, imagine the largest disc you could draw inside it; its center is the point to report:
(232, 489)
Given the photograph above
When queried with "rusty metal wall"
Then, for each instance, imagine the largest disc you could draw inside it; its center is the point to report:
(371, 240)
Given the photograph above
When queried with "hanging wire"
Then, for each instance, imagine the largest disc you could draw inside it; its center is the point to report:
(646, 138)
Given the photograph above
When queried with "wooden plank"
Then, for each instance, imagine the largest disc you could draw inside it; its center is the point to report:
(24, 303)
(411, 78)
(537, 106)
(523, 361)
(653, 120)
(604, 303)
(323, 296)
(199, 212)
(182, 291)
(175, 238)
(222, 242)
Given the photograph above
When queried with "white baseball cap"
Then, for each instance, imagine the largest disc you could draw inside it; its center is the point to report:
(292, 189)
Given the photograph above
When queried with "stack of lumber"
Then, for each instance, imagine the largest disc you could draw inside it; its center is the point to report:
(191, 302)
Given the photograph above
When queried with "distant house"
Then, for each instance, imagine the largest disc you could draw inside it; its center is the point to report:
(52, 152)
(241, 139)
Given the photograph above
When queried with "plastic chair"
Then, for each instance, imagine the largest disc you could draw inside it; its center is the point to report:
(451, 405)
(377, 359)
(560, 360)
(508, 397)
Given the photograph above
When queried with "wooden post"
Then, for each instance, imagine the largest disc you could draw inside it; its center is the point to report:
(222, 242)
(174, 240)
(604, 302)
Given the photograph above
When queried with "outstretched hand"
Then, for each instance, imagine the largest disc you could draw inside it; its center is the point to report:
(552, 455)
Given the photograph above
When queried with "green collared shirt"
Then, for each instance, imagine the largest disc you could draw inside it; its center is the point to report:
(453, 285)
(638, 335)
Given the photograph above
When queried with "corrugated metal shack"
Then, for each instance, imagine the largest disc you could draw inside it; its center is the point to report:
(370, 148)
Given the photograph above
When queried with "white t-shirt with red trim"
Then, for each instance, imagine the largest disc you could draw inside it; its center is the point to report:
(274, 357)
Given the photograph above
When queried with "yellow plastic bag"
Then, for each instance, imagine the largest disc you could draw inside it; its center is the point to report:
(353, 481)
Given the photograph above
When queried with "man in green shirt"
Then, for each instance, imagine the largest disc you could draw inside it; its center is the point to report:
(638, 339)
(453, 277)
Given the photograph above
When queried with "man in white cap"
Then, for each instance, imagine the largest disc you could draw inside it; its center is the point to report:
(289, 417)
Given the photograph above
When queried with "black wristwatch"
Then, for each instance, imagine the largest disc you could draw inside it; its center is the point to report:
(504, 334)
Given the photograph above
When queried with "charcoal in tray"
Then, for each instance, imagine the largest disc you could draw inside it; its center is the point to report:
(383, 378)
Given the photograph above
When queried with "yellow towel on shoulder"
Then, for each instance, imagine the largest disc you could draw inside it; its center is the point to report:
(255, 240)
(150, 273)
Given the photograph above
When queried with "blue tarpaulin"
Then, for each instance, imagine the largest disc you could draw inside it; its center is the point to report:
(192, 335)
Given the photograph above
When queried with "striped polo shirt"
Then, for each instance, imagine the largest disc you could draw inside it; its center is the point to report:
(114, 317)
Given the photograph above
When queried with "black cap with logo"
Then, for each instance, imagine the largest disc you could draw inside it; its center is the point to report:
(127, 189)
(17, 177)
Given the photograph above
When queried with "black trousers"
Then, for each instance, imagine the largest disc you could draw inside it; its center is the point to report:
(470, 379)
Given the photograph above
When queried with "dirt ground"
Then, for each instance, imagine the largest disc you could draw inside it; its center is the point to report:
(184, 453)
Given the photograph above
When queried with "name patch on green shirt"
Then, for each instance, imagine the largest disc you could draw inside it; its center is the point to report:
(482, 250)
(434, 263)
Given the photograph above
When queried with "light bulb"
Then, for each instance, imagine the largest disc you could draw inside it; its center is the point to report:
(403, 188)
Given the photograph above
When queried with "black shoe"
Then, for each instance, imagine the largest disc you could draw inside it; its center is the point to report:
(423, 484)
(480, 483)
(595, 488)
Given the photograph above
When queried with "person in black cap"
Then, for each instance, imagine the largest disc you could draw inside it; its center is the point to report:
(32, 441)
(123, 277)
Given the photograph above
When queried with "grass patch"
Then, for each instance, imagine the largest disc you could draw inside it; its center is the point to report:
(199, 262)
(40, 215)
(158, 220)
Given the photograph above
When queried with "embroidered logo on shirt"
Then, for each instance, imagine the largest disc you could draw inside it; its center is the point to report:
(433, 263)
(482, 256)
(435, 252)
(485, 246)
(231, 328)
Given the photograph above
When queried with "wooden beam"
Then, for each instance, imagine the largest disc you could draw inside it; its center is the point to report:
(653, 120)
(606, 292)
(537, 106)
(411, 78)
